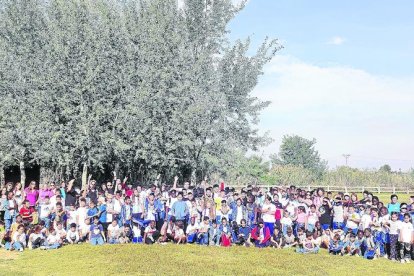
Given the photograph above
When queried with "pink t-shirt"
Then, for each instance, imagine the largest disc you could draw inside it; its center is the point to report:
(31, 196)
(44, 193)
(301, 218)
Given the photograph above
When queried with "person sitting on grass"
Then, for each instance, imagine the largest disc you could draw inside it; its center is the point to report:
(18, 240)
(151, 234)
(36, 239)
(261, 235)
(179, 234)
(225, 230)
(96, 232)
(277, 240)
(72, 236)
(113, 233)
(351, 246)
(192, 230)
(370, 248)
(290, 239)
(308, 245)
(214, 234)
(126, 234)
(202, 236)
(335, 245)
(54, 240)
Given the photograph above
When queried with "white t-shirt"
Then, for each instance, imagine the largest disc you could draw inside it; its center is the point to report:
(17, 237)
(51, 239)
(72, 218)
(192, 228)
(286, 221)
(114, 230)
(239, 215)
(72, 235)
(406, 231)
(365, 221)
(338, 213)
(270, 218)
(350, 224)
(82, 214)
(84, 229)
(45, 210)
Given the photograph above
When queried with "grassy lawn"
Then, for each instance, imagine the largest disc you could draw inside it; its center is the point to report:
(188, 260)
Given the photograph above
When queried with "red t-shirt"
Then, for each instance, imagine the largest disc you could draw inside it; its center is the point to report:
(26, 212)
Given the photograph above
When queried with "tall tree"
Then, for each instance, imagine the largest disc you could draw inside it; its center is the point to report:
(299, 151)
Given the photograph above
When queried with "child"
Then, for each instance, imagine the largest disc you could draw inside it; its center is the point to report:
(351, 246)
(136, 232)
(277, 240)
(84, 230)
(335, 245)
(192, 230)
(308, 245)
(313, 217)
(18, 241)
(406, 238)
(353, 219)
(151, 234)
(179, 234)
(214, 234)
(286, 222)
(96, 232)
(113, 232)
(370, 249)
(393, 225)
(36, 239)
(290, 239)
(225, 230)
(72, 236)
(53, 240)
(202, 236)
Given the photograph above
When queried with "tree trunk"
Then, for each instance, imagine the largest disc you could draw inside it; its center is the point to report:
(22, 174)
(84, 177)
(2, 180)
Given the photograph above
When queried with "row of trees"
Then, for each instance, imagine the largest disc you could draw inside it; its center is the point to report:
(137, 86)
(299, 163)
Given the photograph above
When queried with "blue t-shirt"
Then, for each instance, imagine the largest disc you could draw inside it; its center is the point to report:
(393, 207)
(96, 230)
(179, 209)
(102, 210)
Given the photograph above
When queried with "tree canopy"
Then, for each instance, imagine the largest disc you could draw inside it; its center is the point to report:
(299, 151)
(140, 86)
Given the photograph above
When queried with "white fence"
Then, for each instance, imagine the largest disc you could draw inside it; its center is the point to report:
(376, 189)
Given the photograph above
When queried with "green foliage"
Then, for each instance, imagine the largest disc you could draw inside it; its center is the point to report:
(298, 151)
(385, 168)
(141, 86)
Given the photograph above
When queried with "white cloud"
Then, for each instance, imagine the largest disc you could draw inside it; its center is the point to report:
(347, 110)
(336, 40)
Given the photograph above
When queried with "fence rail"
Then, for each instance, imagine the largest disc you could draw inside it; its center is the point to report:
(373, 189)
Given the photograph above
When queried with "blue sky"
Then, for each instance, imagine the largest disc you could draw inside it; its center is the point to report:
(344, 77)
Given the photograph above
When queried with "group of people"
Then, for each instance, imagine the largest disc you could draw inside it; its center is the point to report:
(51, 215)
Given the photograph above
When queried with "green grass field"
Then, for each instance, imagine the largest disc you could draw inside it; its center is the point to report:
(188, 260)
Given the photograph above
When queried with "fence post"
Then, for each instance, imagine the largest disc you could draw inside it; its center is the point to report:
(393, 189)
(363, 189)
(328, 188)
(379, 189)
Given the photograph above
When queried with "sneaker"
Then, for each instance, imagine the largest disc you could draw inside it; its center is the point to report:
(21, 249)
(393, 260)
(42, 247)
(407, 260)
(402, 261)
(385, 256)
